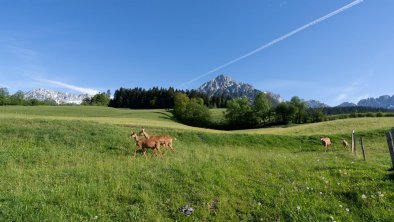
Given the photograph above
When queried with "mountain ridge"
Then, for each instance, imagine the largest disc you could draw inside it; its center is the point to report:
(59, 97)
(226, 85)
(384, 101)
(315, 104)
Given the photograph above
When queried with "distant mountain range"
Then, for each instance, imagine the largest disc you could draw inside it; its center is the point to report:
(226, 85)
(58, 97)
(220, 85)
(347, 104)
(386, 102)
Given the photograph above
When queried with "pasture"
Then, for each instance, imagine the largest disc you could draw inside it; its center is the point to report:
(75, 164)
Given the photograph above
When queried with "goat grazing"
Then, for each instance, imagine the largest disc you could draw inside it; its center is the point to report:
(326, 142)
(164, 140)
(144, 144)
(345, 144)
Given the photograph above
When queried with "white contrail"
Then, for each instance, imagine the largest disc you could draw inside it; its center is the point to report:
(273, 42)
(68, 86)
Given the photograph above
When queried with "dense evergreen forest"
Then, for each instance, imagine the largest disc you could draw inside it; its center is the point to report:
(160, 98)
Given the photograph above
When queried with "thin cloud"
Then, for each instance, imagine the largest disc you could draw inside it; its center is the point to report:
(7, 87)
(353, 92)
(341, 97)
(366, 96)
(68, 86)
(277, 40)
(33, 70)
(22, 52)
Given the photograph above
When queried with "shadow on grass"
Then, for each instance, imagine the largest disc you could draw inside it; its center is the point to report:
(165, 115)
(124, 199)
(390, 176)
(121, 150)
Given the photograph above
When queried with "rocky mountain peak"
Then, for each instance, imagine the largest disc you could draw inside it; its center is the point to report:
(225, 85)
(224, 79)
(59, 97)
(384, 101)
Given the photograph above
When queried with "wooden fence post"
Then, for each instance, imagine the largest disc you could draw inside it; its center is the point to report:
(390, 144)
(353, 141)
(362, 146)
(392, 134)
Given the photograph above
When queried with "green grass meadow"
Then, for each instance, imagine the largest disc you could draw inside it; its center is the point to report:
(76, 164)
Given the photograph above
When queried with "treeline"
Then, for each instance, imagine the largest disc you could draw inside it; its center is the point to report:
(100, 99)
(241, 113)
(354, 109)
(389, 113)
(160, 98)
(18, 98)
(191, 111)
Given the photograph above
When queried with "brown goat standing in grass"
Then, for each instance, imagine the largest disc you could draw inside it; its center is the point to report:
(326, 142)
(144, 144)
(164, 140)
(345, 144)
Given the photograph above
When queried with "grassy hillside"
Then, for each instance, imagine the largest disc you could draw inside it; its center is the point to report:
(344, 126)
(164, 119)
(57, 166)
(94, 113)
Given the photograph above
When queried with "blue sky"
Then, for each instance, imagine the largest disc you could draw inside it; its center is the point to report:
(95, 45)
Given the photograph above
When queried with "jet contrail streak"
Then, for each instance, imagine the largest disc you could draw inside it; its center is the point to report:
(277, 40)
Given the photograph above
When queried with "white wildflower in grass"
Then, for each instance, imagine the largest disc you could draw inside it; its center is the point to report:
(339, 184)
(298, 208)
(332, 218)
(95, 217)
(340, 206)
(259, 203)
(347, 209)
(380, 194)
(321, 193)
(364, 196)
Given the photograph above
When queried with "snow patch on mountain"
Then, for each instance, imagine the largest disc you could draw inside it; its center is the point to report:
(59, 97)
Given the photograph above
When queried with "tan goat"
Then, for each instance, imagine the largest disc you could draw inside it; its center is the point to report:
(164, 140)
(345, 144)
(144, 144)
(326, 142)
